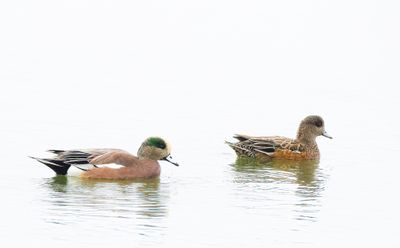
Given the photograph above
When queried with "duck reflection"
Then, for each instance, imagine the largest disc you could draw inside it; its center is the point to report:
(304, 171)
(58, 183)
(140, 201)
(302, 179)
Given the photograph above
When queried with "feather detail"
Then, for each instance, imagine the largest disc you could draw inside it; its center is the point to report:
(267, 146)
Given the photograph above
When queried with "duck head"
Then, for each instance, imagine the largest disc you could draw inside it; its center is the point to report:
(156, 148)
(311, 127)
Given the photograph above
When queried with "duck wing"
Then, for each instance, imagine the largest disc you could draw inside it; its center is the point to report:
(86, 159)
(79, 158)
(251, 145)
(119, 157)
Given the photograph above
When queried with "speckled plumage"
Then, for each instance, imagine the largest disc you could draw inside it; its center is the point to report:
(304, 147)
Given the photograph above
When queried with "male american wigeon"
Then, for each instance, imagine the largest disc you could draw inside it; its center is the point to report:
(304, 147)
(144, 165)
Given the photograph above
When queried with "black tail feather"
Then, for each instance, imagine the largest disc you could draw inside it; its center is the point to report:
(56, 151)
(241, 137)
(58, 166)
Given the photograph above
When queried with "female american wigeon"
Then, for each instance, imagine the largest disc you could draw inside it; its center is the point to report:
(304, 147)
(145, 165)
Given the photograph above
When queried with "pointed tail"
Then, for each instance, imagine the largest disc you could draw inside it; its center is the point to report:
(236, 148)
(58, 166)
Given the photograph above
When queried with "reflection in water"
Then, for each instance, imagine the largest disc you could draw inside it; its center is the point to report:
(58, 183)
(138, 206)
(304, 171)
(300, 181)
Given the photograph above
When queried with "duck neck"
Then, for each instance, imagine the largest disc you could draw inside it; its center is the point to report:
(141, 153)
(305, 137)
(145, 152)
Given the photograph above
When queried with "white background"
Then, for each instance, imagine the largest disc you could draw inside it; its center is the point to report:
(110, 73)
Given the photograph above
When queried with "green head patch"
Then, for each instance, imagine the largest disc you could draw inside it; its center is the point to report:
(156, 142)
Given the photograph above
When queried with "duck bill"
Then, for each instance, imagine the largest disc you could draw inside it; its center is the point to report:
(169, 159)
(325, 134)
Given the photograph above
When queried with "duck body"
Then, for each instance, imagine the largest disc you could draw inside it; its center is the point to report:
(273, 147)
(144, 169)
(91, 161)
(304, 147)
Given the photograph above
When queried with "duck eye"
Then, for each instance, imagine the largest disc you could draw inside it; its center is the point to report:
(318, 123)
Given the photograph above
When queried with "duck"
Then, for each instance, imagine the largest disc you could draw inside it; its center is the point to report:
(91, 161)
(303, 147)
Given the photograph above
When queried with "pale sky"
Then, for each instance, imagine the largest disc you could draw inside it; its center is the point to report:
(71, 58)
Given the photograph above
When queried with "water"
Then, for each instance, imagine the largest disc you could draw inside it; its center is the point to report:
(86, 74)
(350, 197)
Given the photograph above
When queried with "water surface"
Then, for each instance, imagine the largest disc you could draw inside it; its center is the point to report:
(211, 200)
